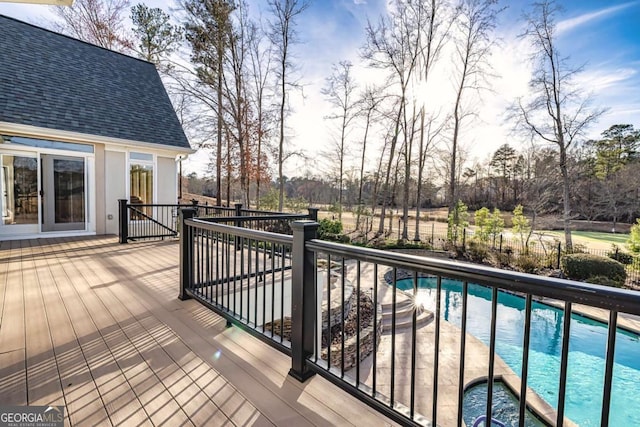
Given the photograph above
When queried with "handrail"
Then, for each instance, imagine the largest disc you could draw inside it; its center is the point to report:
(248, 276)
(276, 217)
(204, 224)
(606, 297)
(153, 220)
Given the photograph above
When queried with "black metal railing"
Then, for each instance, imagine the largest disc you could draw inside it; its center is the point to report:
(362, 319)
(540, 250)
(138, 221)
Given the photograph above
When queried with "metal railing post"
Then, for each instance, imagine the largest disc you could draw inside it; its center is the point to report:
(313, 214)
(238, 223)
(123, 220)
(303, 299)
(186, 252)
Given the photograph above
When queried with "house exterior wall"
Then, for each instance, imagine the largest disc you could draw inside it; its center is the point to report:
(107, 177)
(167, 181)
(115, 187)
(100, 185)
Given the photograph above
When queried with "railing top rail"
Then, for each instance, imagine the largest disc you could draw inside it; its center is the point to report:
(241, 232)
(256, 218)
(222, 208)
(155, 205)
(177, 205)
(255, 211)
(606, 297)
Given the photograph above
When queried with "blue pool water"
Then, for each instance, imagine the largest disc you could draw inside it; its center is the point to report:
(505, 403)
(587, 346)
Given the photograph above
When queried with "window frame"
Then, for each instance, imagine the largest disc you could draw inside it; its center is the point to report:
(154, 168)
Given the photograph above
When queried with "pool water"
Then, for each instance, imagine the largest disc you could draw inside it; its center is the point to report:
(506, 404)
(587, 346)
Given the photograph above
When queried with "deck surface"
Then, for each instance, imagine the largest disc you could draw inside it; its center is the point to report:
(96, 326)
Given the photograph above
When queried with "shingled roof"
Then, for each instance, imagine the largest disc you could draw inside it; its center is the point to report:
(53, 81)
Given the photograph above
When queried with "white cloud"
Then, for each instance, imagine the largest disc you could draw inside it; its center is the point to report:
(571, 23)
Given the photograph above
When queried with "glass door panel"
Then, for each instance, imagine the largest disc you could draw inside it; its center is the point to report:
(19, 181)
(64, 189)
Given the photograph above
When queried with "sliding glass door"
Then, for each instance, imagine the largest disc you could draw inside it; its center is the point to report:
(63, 193)
(19, 185)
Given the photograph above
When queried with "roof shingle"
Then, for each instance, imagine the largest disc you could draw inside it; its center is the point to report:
(53, 81)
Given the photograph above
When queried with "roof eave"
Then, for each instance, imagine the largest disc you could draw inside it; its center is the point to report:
(62, 135)
(48, 2)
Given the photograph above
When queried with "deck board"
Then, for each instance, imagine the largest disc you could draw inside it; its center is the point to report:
(43, 384)
(82, 399)
(13, 372)
(97, 327)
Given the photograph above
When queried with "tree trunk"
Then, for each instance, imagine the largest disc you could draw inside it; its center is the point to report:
(421, 160)
(219, 147)
(364, 151)
(566, 217)
(281, 142)
(385, 190)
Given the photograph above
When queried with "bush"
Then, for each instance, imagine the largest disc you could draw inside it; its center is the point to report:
(620, 256)
(528, 263)
(328, 226)
(634, 238)
(603, 280)
(332, 230)
(588, 267)
(476, 250)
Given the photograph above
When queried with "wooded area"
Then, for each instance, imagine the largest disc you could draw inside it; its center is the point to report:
(231, 73)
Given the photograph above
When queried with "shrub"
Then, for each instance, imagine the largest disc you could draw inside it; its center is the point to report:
(634, 238)
(586, 267)
(476, 250)
(521, 225)
(528, 263)
(457, 222)
(620, 256)
(328, 226)
(603, 280)
(332, 230)
(481, 218)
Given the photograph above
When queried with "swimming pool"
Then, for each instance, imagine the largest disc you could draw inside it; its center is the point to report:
(587, 345)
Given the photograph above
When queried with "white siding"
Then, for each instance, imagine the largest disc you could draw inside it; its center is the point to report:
(167, 181)
(115, 186)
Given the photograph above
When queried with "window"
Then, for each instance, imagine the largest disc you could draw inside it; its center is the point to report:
(141, 178)
(19, 180)
(42, 143)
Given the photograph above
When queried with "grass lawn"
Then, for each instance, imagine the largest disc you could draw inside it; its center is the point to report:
(619, 239)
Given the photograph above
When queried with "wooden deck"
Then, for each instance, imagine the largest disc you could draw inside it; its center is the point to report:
(96, 326)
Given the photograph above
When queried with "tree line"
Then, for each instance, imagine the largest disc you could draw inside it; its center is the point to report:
(231, 75)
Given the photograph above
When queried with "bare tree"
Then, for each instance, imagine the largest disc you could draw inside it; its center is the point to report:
(283, 34)
(339, 91)
(428, 134)
(476, 22)
(100, 22)
(557, 112)
(395, 44)
(261, 69)
(207, 30)
(236, 104)
(368, 104)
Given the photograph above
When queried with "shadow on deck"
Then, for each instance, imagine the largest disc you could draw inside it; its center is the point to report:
(96, 326)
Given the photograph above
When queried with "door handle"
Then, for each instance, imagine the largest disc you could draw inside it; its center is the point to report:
(41, 193)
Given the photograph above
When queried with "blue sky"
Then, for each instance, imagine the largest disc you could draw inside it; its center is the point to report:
(601, 35)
